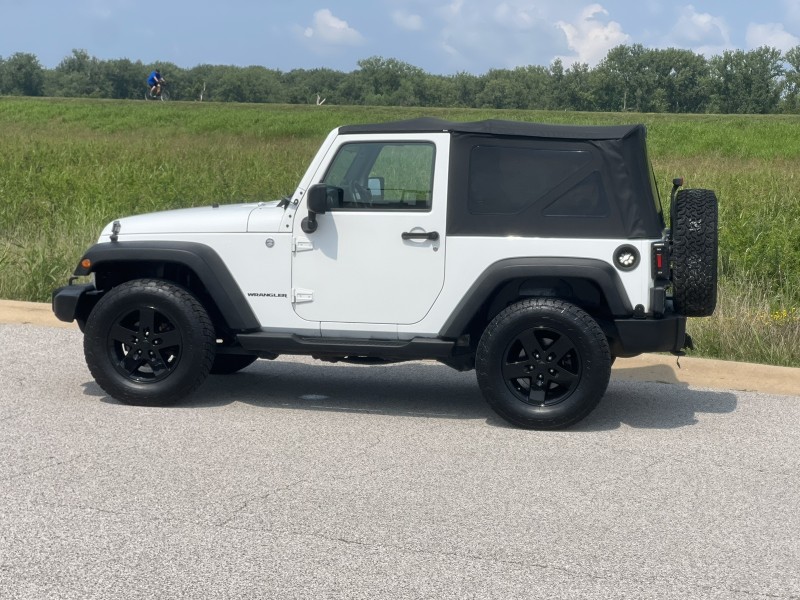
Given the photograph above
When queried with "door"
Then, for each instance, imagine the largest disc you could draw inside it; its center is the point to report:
(377, 256)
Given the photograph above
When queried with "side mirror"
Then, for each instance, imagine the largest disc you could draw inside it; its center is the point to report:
(321, 197)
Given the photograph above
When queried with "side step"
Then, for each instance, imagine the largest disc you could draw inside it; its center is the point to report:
(289, 343)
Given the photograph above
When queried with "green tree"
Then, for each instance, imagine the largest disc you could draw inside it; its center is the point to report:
(461, 89)
(625, 80)
(302, 86)
(502, 89)
(746, 82)
(681, 80)
(558, 96)
(791, 97)
(390, 81)
(124, 79)
(21, 75)
(579, 88)
(80, 75)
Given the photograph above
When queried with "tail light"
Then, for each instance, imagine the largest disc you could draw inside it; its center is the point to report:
(661, 261)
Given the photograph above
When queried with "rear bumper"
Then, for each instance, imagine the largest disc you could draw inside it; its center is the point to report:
(635, 336)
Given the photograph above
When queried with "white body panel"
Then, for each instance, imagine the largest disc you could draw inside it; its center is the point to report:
(263, 273)
(225, 218)
(469, 257)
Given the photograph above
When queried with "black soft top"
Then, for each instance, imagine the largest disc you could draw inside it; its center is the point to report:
(500, 127)
(541, 180)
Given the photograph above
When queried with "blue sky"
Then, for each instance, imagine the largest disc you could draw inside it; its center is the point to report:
(440, 36)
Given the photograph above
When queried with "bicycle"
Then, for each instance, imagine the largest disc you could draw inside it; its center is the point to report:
(163, 95)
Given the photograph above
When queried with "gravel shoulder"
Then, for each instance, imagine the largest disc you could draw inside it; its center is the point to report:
(691, 371)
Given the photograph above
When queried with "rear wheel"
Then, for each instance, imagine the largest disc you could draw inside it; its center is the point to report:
(694, 252)
(543, 364)
(149, 342)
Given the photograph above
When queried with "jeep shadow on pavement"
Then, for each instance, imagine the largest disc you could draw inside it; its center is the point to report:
(534, 254)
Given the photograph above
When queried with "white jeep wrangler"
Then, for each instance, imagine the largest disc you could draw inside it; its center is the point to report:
(535, 254)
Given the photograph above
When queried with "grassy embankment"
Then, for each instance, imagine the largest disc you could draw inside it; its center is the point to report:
(67, 167)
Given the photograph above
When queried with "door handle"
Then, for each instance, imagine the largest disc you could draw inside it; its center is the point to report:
(431, 235)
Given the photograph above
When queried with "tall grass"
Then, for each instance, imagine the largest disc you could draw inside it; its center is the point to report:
(69, 166)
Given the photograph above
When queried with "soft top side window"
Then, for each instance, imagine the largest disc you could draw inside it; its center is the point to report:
(509, 180)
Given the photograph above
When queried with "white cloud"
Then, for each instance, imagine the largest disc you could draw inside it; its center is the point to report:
(591, 39)
(331, 30)
(770, 34)
(409, 22)
(702, 32)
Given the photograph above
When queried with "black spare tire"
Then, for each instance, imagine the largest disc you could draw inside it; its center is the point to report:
(694, 252)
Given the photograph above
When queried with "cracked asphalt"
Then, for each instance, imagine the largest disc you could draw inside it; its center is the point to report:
(300, 479)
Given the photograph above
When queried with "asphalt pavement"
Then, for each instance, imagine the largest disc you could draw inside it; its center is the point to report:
(300, 479)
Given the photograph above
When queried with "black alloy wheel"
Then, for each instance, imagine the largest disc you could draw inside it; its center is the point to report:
(145, 345)
(149, 342)
(543, 363)
(541, 366)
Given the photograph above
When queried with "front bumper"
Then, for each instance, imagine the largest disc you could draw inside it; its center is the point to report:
(73, 302)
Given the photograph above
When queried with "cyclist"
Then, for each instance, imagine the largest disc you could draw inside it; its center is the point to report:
(154, 81)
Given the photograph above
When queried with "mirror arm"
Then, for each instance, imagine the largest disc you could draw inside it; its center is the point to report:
(309, 223)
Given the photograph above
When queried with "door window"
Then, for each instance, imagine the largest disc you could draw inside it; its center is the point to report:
(384, 175)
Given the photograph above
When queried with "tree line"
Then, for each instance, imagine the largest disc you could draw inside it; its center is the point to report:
(629, 78)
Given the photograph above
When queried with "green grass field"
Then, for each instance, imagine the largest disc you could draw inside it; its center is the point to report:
(67, 167)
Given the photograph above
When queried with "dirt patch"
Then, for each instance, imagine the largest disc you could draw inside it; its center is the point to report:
(704, 372)
(30, 313)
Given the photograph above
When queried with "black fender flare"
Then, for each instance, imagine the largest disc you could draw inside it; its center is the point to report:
(599, 272)
(202, 260)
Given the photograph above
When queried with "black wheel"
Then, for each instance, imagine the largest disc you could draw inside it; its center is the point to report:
(543, 363)
(694, 253)
(149, 342)
(149, 95)
(164, 95)
(227, 364)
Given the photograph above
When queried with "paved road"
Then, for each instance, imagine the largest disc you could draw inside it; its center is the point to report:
(297, 479)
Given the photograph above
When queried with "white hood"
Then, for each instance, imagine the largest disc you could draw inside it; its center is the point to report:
(225, 218)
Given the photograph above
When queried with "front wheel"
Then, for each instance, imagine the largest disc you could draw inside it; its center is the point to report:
(543, 363)
(149, 342)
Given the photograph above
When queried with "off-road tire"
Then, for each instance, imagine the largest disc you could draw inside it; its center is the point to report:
(228, 364)
(694, 252)
(149, 342)
(543, 363)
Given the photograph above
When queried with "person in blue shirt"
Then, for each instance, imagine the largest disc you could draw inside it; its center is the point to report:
(154, 81)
